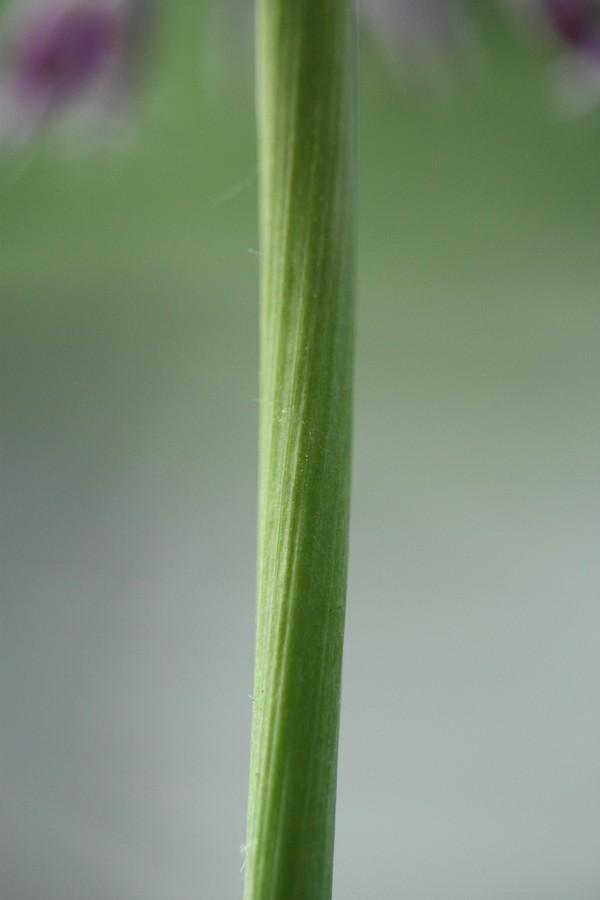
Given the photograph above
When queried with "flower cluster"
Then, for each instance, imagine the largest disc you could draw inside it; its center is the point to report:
(69, 58)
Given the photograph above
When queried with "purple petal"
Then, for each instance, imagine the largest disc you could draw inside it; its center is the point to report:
(576, 22)
(63, 52)
(68, 57)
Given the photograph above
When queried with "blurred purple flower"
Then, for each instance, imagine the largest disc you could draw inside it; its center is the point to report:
(426, 39)
(69, 57)
(576, 22)
(575, 25)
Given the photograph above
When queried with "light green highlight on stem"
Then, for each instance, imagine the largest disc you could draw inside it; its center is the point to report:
(306, 110)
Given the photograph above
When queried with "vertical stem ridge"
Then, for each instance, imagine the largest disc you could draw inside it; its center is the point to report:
(306, 109)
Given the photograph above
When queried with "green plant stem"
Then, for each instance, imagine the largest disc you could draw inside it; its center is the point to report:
(306, 108)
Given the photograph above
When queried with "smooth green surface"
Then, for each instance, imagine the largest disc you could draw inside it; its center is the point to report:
(306, 141)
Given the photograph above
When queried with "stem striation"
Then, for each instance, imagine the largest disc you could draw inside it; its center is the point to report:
(306, 112)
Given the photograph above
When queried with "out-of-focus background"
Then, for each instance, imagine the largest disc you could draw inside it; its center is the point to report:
(470, 722)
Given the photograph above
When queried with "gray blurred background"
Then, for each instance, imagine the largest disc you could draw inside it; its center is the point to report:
(470, 724)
